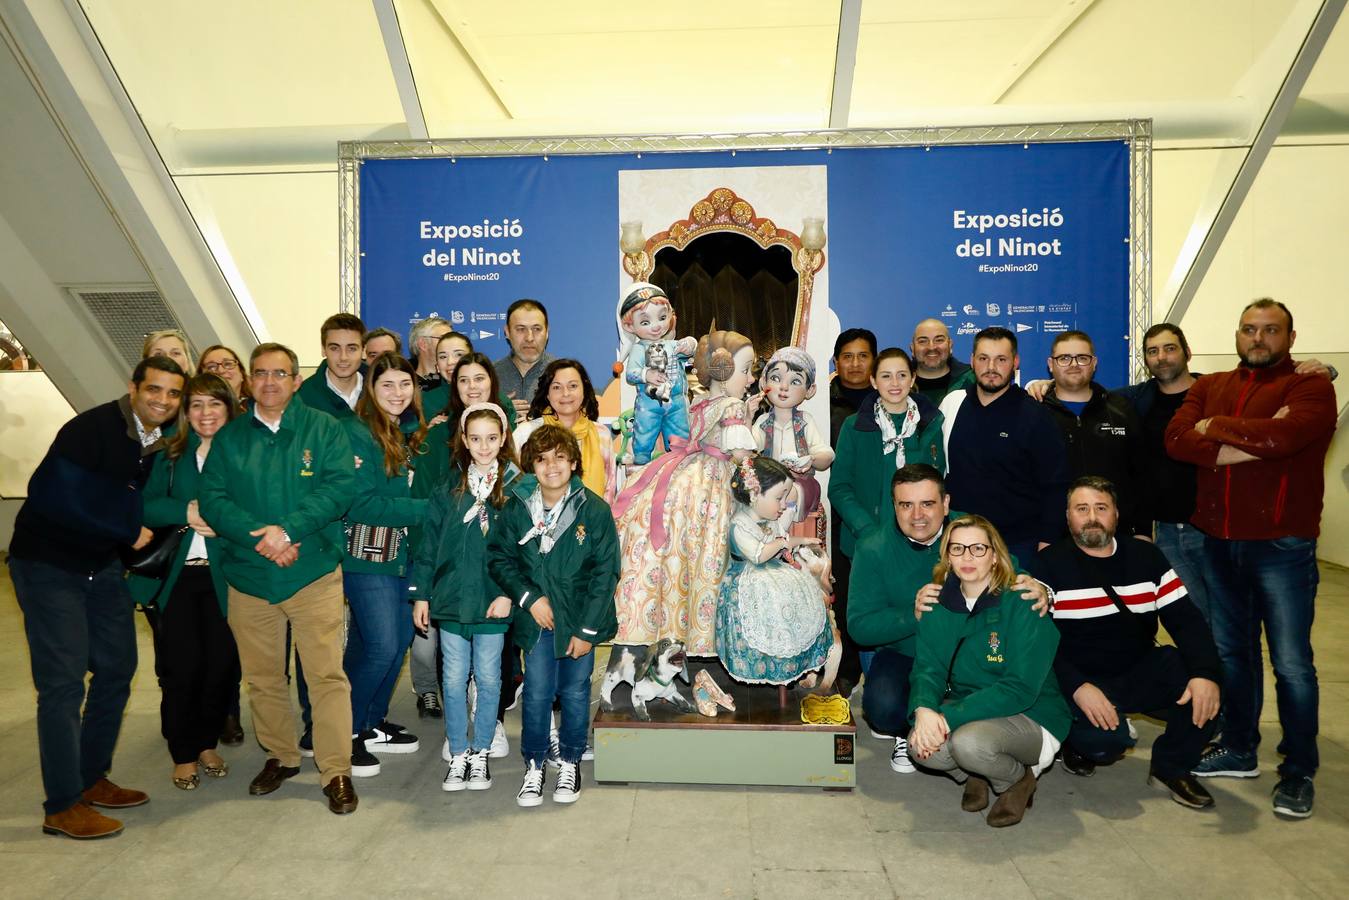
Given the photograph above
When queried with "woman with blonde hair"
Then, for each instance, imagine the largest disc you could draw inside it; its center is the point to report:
(172, 343)
(984, 701)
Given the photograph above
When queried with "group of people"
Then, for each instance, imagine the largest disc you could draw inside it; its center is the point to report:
(477, 513)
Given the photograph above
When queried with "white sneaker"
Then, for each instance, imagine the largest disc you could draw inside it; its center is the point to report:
(899, 758)
(588, 754)
(479, 773)
(445, 753)
(568, 786)
(456, 777)
(501, 748)
(531, 789)
(878, 736)
(1133, 732)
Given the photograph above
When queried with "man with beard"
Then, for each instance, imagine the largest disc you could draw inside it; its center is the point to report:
(1005, 460)
(1109, 596)
(939, 373)
(518, 372)
(1259, 435)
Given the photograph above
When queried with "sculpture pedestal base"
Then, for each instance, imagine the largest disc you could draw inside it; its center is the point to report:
(759, 743)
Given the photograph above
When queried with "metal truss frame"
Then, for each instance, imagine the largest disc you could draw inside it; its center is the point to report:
(1137, 133)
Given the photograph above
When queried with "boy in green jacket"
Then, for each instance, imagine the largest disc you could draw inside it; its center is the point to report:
(274, 489)
(554, 552)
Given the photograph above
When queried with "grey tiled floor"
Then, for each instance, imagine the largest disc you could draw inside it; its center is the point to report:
(895, 835)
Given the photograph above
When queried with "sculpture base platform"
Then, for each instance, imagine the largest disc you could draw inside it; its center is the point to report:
(760, 743)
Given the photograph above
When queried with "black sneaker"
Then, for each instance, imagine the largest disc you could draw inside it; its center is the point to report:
(428, 706)
(531, 789)
(1075, 763)
(307, 743)
(479, 772)
(455, 776)
(386, 737)
(1293, 797)
(363, 762)
(568, 786)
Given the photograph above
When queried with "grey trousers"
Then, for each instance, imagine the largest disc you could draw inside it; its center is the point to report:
(998, 749)
(425, 656)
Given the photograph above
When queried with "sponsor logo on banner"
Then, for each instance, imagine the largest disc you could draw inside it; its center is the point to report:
(484, 335)
(1053, 326)
(970, 309)
(968, 328)
(994, 309)
(456, 317)
(949, 312)
(1022, 326)
(1015, 308)
(1062, 307)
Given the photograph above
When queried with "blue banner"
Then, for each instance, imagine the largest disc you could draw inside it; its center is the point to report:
(1031, 237)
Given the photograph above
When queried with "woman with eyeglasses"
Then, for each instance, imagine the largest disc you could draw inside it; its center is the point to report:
(984, 701)
(221, 360)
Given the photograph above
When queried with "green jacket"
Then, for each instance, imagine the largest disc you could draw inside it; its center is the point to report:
(169, 507)
(994, 662)
(859, 480)
(578, 576)
(314, 391)
(300, 478)
(437, 401)
(449, 563)
(379, 499)
(433, 461)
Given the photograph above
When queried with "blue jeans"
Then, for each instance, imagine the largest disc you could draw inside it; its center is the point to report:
(1183, 546)
(651, 418)
(482, 653)
(1270, 583)
(885, 701)
(76, 624)
(381, 629)
(568, 680)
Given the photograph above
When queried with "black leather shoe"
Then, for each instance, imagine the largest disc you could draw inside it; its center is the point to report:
(271, 776)
(341, 794)
(1075, 763)
(233, 733)
(1185, 790)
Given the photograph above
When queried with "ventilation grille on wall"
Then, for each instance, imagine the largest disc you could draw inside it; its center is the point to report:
(126, 316)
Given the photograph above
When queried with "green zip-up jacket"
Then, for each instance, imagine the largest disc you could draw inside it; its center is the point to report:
(433, 460)
(169, 507)
(300, 478)
(578, 576)
(315, 393)
(859, 480)
(380, 499)
(449, 563)
(1000, 660)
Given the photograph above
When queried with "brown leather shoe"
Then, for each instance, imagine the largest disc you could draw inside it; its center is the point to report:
(1185, 790)
(109, 796)
(271, 776)
(975, 798)
(1009, 808)
(81, 822)
(341, 794)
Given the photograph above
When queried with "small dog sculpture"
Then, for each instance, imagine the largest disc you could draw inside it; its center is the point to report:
(653, 678)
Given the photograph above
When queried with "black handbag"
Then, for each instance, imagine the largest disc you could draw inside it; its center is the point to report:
(156, 558)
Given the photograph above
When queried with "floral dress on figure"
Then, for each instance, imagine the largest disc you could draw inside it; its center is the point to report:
(772, 624)
(673, 523)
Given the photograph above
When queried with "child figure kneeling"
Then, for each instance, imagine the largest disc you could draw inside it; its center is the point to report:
(554, 552)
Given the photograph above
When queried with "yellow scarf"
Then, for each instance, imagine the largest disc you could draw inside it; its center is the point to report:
(593, 473)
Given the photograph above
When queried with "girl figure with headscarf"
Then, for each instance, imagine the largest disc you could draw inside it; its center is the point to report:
(787, 433)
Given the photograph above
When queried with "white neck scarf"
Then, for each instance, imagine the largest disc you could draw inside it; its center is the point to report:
(480, 486)
(892, 440)
(544, 520)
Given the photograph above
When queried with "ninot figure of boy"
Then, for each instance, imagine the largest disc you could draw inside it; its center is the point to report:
(654, 362)
(554, 552)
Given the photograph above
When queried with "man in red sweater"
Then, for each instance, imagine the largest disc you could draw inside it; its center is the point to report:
(1258, 435)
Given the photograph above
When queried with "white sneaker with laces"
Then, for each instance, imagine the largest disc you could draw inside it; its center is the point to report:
(568, 786)
(880, 737)
(455, 778)
(531, 789)
(479, 773)
(899, 758)
(501, 747)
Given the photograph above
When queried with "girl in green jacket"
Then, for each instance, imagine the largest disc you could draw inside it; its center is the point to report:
(374, 567)
(195, 655)
(985, 704)
(451, 585)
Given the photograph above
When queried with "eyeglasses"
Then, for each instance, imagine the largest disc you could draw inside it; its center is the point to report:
(1067, 359)
(225, 365)
(272, 374)
(978, 551)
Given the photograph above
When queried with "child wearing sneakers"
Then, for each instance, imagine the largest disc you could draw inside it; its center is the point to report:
(554, 552)
(450, 584)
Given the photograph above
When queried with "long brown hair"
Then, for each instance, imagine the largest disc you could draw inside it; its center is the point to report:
(388, 435)
(463, 459)
(590, 404)
(206, 384)
(455, 409)
(1003, 572)
(245, 389)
